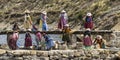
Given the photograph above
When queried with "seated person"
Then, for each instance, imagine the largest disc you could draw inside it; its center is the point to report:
(99, 42)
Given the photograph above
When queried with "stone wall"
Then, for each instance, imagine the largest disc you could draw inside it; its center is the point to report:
(114, 39)
(110, 53)
(95, 54)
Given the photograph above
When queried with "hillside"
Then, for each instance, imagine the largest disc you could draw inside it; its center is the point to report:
(106, 13)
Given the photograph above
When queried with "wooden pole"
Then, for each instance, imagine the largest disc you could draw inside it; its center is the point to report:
(60, 32)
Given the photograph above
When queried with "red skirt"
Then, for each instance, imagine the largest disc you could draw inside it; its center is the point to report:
(28, 42)
(60, 25)
(88, 25)
(12, 43)
(87, 41)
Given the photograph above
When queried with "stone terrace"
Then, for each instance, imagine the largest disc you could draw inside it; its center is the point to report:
(94, 54)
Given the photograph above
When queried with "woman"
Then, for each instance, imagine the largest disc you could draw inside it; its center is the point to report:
(13, 40)
(44, 22)
(38, 38)
(88, 21)
(63, 20)
(28, 20)
(99, 42)
(28, 40)
(87, 41)
(49, 41)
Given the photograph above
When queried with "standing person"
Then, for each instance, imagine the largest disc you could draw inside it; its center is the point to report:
(38, 38)
(87, 41)
(67, 35)
(43, 21)
(12, 40)
(63, 19)
(28, 20)
(88, 21)
(99, 42)
(49, 41)
(28, 40)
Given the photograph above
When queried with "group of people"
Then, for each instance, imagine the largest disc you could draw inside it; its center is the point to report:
(63, 20)
(88, 42)
(28, 23)
(62, 24)
(48, 41)
(12, 39)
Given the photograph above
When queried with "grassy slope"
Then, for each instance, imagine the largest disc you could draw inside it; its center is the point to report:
(105, 12)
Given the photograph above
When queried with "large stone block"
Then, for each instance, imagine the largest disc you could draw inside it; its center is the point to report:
(77, 54)
(20, 52)
(44, 58)
(42, 53)
(2, 51)
(18, 58)
(33, 52)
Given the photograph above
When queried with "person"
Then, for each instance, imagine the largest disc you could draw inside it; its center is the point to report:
(13, 40)
(67, 35)
(88, 21)
(15, 26)
(87, 41)
(28, 40)
(63, 20)
(99, 42)
(38, 38)
(28, 21)
(49, 41)
(44, 22)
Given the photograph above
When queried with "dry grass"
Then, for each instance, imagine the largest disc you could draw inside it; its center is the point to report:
(76, 9)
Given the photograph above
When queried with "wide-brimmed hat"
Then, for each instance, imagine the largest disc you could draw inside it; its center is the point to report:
(99, 36)
(44, 12)
(27, 11)
(88, 29)
(28, 29)
(63, 11)
(66, 25)
(89, 14)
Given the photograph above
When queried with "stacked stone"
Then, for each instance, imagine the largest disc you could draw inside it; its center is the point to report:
(95, 54)
(114, 40)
